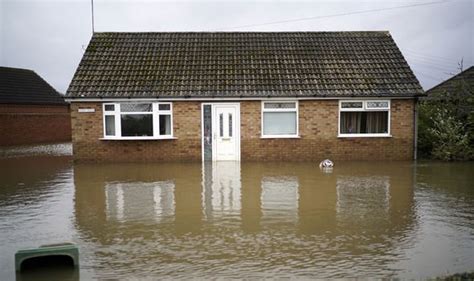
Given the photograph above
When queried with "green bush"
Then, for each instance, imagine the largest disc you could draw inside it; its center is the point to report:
(446, 124)
(449, 138)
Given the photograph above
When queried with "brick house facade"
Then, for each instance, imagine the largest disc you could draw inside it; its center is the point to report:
(31, 111)
(286, 101)
(318, 136)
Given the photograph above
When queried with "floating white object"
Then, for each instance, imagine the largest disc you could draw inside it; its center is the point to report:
(326, 163)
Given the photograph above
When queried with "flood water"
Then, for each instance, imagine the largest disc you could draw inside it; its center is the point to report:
(246, 220)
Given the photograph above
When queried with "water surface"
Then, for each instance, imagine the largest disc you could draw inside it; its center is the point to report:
(364, 219)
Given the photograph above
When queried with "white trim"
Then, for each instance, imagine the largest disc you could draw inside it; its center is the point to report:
(137, 138)
(280, 137)
(364, 109)
(237, 128)
(296, 109)
(364, 136)
(236, 99)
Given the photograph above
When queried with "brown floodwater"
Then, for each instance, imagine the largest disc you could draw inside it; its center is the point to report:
(244, 220)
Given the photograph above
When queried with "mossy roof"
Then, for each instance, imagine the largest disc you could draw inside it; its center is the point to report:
(242, 64)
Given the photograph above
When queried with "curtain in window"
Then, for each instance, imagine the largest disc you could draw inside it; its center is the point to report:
(351, 122)
(377, 122)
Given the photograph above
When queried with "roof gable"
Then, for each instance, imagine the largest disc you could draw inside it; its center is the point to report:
(24, 86)
(243, 64)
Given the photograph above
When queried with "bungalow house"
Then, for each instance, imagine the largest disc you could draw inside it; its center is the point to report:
(250, 96)
(31, 110)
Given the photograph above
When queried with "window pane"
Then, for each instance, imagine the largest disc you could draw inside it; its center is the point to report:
(110, 125)
(279, 123)
(377, 122)
(377, 104)
(135, 107)
(137, 125)
(164, 107)
(221, 125)
(364, 122)
(351, 104)
(279, 105)
(165, 125)
(207, 132)
(230, 124)
(109, 107)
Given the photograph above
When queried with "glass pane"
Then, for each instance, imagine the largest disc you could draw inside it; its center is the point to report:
(221, 124)
(109, 107)
(110, 125)
(165, 125)
(137, 125)
(377, 122)
(135, 107)
(230, 124)
(351, 122)
(351, 104)
(364, 122)
(279, 123)
(207, 132)
(279, 105)
(164, 107)
(377, 104)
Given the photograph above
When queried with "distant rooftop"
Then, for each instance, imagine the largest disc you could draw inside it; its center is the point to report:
(24, 86)
(452, 84)
(243, 64)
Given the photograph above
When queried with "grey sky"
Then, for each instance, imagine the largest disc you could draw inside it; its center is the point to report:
(50, 36)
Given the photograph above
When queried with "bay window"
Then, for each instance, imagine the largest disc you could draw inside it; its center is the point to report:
(279, 119)
(140, 120)
(364, 118)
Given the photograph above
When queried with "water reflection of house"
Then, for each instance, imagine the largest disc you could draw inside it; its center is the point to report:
(221, 189)
(371, 203)
(133, 196)
(140, 201)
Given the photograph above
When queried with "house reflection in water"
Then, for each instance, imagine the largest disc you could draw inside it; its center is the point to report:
(279, 199)
(221, 189)
(190, 212)
(140, 201)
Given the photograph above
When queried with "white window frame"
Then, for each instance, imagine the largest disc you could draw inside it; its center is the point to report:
(263, 110)
(364, 109)
(156, 121)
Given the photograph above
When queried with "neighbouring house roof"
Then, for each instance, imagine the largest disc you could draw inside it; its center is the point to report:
(243, 64)
(461, 81)
(24, 86)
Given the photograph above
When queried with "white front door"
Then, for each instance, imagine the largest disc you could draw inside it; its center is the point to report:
(226, 132)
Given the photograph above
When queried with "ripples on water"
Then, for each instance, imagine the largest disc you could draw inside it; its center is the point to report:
(242, 220)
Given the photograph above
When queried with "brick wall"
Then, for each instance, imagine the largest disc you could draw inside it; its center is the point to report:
(33, 124)
(87, 129)
(318, 125)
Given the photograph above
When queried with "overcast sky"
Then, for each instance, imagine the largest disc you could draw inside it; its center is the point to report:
(50, 36)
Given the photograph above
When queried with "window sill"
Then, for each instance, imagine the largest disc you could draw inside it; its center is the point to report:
(364, 136)
(137, 138)
(280, 137)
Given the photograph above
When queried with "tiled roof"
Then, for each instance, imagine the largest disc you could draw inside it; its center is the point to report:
(448, 87)
(243, 64)
(24, 86)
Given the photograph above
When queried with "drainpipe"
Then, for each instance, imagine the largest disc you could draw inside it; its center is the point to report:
(415, 128)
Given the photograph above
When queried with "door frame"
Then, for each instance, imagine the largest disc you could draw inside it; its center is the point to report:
(237, 127)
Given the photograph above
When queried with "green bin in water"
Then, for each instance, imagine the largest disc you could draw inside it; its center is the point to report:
(64, 249)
